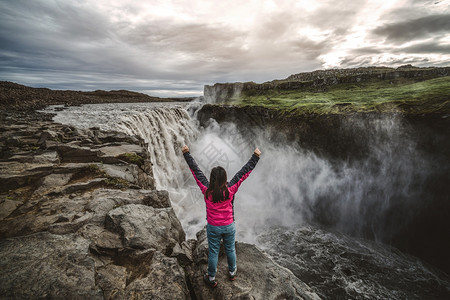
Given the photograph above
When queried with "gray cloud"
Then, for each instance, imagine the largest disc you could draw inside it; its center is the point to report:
(414, 29)
(93, 44)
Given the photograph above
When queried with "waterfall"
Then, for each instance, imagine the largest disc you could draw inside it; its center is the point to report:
(165, 130)
(289, 186)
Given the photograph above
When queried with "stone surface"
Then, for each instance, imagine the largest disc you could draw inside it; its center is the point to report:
(143, 227)
(258, 276)
(57, 184)
(44, 265)
(157, 199)
(165, 280)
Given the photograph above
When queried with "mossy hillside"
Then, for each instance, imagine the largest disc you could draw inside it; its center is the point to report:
(400, 95)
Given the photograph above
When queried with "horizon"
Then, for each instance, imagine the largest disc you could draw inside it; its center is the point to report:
(173, 49)
(198, 96)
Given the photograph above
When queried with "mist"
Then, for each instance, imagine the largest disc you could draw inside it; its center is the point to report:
(374, 195)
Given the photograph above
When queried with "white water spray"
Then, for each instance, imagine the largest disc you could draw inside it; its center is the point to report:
(289, 186)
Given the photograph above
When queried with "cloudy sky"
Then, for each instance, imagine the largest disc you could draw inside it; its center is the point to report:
(173, 48)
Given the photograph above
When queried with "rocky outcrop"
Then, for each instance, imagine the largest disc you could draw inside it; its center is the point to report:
(75, 218)
(341, 136)
(318, 80)
(80, 218)
(258, 276)
(13, 95)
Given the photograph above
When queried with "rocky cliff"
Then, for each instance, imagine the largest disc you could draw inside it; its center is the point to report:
(320, 80)
(80, 219)
(351, 139)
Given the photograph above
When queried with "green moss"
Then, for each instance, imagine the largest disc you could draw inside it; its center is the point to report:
(403, 94)
(132, 158)
(94, 169)
(116, 182)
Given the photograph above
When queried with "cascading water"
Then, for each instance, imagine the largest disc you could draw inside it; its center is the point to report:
(289, 188)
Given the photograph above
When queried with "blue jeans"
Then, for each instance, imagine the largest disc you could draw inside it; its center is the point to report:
(215, 234)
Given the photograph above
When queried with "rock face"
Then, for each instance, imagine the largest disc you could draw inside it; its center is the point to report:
(258, 276)
(320, 79)
(339, 267)
(45, 265)
(143, 227)
(356, 138)
(75, 220)
(80, 219)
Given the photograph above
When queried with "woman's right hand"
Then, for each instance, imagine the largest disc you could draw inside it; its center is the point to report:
(185, 149)
(257, 152)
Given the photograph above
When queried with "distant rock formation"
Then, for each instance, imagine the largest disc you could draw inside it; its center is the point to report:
(320, 79)
(13, 95)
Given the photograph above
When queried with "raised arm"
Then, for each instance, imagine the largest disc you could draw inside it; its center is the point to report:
(244, 172)
(199, 177)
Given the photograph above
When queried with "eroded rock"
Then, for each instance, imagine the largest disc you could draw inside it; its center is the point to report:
(45, 265)
(165, 280)
(143, 227)
(258, 276)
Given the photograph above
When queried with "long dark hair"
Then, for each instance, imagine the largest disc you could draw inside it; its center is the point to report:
(218, 185)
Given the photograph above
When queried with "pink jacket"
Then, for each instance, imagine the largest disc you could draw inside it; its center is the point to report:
(221, 213)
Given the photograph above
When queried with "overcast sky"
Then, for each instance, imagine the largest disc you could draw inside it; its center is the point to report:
(173, 48)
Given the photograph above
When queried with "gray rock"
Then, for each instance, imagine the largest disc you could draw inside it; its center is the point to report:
(76, 154)
(112, 279)
(143, 227)
(63, 214)
(114, 151)
(102, 240)
(46, 157)
(53, 181)
(8, 206)
(70, 226)
(47, 135)
(129, 172)
(258, 276)
(104, 200)
(44, 265)
(183, 252)
(157, 199)
(165, 280)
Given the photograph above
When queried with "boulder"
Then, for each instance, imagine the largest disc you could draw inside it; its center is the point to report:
(143, 227)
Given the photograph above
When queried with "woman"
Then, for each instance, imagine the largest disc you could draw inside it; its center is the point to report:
(219, 199)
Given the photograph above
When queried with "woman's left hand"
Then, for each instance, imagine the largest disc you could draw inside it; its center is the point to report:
(185, 149)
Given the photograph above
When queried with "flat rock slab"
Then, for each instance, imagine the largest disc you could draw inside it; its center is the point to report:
(122, 149)
(45, 265)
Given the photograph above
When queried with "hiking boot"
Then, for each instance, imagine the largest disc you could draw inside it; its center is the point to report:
(232, 275)
(211, 283)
